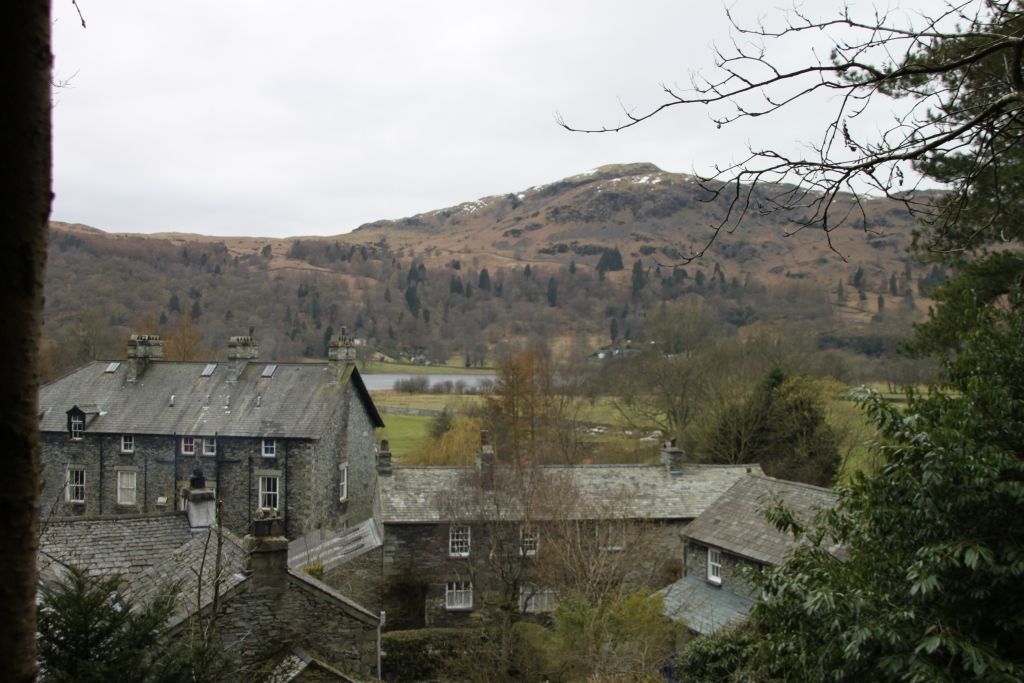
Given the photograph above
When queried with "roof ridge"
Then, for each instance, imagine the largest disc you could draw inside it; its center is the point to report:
(791, 482)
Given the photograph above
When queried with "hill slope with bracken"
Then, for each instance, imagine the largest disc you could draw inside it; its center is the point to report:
(463, 279)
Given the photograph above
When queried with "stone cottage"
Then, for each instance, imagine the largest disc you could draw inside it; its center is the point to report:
(288, 440)
(730, 542)
(275, 621)
(448, 541)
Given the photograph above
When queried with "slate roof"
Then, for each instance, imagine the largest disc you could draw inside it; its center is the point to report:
(182, 568)
(296, 402)
(704, 608)
(294, 661)
(735, 522)
(127, 546)
(421, 494)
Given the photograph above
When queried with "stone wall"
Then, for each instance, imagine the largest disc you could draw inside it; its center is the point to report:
(361, 579)
(736, 572)
(256, 622)
(359, 449)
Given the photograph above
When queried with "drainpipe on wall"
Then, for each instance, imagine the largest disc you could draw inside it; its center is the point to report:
(380, 625)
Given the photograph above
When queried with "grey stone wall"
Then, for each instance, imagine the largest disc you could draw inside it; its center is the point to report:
(255, 622)
(736, 572)
(359, 450)
(360, 579)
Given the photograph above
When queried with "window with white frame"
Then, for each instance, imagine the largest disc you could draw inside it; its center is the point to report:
(269, 448)
(209, 446)
(529, 540)
(126, 480)
(343, 483)
(74, 491)
(269, 497)
(188, 445)
(458, 540)
(127, 443)
(458, 595)
(714, 566)
(77, 426)
(611, 536)
(533, 598)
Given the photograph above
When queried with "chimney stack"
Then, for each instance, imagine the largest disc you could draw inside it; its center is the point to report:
(384, 458)
(672, 457)
(241, 349)
(266, 551)
(341, 350)
(202, 502)
(142, 348)
(485, 462)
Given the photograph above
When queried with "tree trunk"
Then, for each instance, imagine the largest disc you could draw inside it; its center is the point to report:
(25, 196)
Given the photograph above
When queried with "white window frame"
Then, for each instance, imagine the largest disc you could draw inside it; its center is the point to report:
(210, 446)
(127, 443)
(269, 448)
(266, 496)
(127, 487)
(715, 566)
(611, 536)
(74, 484)
(343, 483)
(459, 540)
(529, 540)
(533, 599)
(458, 595)
(77, 427)
(188, 445)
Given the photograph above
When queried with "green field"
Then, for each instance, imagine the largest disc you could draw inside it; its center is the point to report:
(404, 432)
(415, 369)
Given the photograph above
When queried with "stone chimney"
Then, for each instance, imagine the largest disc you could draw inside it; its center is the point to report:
(485, 462)
(341, 350)
(241, 349)
(142, 348)
(384, 458)
(266, 551)
(672, 457)
(202, 502)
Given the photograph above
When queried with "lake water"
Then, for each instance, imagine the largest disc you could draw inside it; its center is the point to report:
(378, 382)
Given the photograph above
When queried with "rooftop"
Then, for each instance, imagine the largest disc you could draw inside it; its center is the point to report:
(295, 401)
(704, 608)
(736, 522)
(126, 546)
(424, 494)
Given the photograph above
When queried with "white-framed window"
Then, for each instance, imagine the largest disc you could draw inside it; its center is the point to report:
(74, 488)
(127, 443)
(188, 445)
(77, 426)
(209, 446)
(343, 483)
(611, 536)
(529, 540)
(126, 480)
(714, 566)
(269, 448)
(533, 598)
(458, 540)
(269, 493)
(458, 595)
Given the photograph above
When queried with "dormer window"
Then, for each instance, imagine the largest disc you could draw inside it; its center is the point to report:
(77, 426)
(127, 443)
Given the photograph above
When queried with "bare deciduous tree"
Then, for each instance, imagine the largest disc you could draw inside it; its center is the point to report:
(959, 79)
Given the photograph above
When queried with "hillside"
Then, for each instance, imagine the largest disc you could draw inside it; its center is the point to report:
(463, 279)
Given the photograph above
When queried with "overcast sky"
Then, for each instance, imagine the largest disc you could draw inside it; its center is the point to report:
(300, 118)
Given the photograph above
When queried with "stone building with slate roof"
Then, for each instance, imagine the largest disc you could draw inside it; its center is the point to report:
(294, 440)
(434, 525)
(278, 621)
(729, 541)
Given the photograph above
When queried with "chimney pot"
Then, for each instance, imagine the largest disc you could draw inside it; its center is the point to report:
(384, 458)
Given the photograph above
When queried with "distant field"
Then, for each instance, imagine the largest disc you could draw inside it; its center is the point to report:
(404, 432)
(397, 399)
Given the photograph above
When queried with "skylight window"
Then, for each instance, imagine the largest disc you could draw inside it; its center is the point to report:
(113, 367)
(269, 371)
(208, 370)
